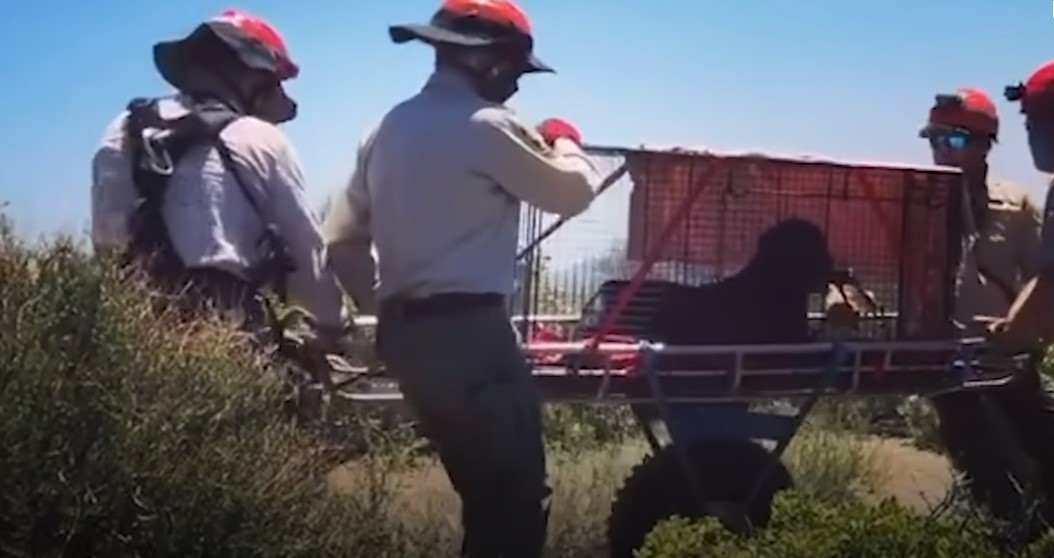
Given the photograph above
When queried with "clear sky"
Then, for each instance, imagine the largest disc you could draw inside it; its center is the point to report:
(842, 78)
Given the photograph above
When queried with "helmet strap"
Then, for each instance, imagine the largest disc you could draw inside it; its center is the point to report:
(494, 72)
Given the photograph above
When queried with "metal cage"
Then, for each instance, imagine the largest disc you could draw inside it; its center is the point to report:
(694, 217)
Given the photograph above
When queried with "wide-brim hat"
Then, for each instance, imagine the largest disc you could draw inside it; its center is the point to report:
(173, 58)
(468, 31)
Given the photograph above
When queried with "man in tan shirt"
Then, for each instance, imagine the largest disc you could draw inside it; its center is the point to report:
(1030, 322)
(438, 187)
(1002, 250)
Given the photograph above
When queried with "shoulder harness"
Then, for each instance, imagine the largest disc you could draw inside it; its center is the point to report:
(154, 160)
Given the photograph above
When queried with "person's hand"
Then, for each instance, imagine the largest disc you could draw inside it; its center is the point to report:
(1007, 338)
(318, 344)
(553, 129)
(332, 340)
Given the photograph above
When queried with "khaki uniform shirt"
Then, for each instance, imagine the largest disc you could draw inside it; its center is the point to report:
(1003, 255)
(210, 222)
(438, 187)
(1048, 227)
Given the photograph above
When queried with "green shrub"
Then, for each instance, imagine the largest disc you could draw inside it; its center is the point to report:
(126, 434)
(804, 527)
(833, 465)
(893, 416)
(576, 428)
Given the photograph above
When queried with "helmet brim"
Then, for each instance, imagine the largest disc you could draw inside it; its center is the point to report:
(170, 59)
(434, 35)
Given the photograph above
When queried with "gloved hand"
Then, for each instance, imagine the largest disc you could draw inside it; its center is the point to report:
(1006, 338)
(331, 340)
(318, 344)
(554, 128)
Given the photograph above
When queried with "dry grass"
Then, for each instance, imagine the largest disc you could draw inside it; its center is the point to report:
(426, 506)
(832, 466)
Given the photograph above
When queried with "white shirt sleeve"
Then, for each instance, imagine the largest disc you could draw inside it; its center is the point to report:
(113, 194)
(559, 179)
(312, 284)
(348, 235)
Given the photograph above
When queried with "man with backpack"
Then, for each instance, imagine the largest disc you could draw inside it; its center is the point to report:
(438, 187)
(204, 193)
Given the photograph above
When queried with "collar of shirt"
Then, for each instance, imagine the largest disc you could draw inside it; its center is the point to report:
(450, 81)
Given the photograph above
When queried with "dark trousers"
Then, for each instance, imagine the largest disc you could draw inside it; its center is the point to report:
(1026, 404)
(463, 375)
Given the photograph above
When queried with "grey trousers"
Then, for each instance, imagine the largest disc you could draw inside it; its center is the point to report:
(464, 376)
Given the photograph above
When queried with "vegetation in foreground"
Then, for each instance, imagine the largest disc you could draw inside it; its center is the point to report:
(123, 434)
(804, 527)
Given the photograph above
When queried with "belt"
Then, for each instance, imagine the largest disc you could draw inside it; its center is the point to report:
(440, 304)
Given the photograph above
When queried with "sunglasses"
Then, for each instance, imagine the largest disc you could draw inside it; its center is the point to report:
(950, 139)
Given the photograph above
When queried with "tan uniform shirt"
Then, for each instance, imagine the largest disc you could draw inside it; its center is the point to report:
(1048, 227)
(438, 187)
(209, 220)
(1002, 256)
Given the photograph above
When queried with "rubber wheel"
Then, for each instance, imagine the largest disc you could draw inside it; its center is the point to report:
(658, 489)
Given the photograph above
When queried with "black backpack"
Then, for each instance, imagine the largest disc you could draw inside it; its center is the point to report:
(153, 163)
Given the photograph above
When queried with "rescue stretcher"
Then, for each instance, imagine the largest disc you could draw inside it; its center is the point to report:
(619, 373)
(896, 226)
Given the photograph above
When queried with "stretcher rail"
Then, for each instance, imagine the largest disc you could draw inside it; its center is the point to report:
(366, 320)
(754, 372)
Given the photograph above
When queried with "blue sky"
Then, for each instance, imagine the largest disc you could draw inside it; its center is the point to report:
(846, 79)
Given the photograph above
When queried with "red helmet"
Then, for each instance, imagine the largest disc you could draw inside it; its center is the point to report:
(256, 43)
(475, 23)
(1037, 93)
(968, 108)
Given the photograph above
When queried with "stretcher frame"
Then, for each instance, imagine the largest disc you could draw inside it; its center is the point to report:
(697, 405)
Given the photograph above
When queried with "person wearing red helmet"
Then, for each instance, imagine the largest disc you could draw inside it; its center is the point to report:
(235, 56)
(1001, 250)
(1030, 320)
(438, 188)
(1001, 223)
(203, 191)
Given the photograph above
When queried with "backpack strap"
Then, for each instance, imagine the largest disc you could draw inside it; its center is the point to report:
(277, 264)
(152, 165)
(154, 161)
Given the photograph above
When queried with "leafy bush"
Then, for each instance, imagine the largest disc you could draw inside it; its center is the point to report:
(126, 434)
(833, 465)
(576, 428)
(803, 527)
(893, 416)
